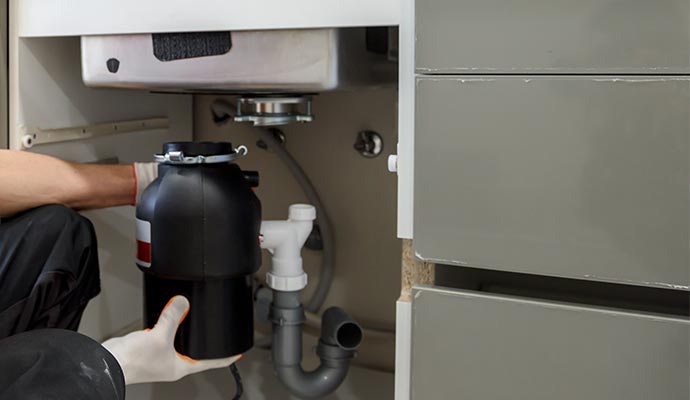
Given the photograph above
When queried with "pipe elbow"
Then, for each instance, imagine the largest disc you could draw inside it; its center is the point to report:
(340, 330)
(286, 238)
(315, 384)
(302, 217)
(340, 337)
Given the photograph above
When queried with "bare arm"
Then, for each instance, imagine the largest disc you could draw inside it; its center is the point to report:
(29, 180)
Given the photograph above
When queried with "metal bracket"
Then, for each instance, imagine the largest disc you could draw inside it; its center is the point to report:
(38, 136)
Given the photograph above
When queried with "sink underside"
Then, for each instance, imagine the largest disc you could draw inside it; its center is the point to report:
(280, 61)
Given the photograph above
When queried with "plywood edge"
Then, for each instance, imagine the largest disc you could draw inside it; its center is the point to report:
(414, 271)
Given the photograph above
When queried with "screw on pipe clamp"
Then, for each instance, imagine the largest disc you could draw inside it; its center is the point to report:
(178, 157)
(287, 316)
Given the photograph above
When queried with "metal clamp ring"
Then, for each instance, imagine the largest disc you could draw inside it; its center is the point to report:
(178, 157)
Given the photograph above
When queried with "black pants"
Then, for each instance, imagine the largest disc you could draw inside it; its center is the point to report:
(48, 269)
(48, 273)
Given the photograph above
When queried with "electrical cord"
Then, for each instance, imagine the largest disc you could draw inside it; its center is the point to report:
(238, 382)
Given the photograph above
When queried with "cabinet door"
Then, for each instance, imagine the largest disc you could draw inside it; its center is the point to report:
(473, 346)
(555, 36)
(580, 177)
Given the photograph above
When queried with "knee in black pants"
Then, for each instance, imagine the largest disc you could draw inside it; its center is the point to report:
(48, 269)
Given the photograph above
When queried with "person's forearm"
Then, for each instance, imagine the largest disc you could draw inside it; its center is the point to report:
(29, 180)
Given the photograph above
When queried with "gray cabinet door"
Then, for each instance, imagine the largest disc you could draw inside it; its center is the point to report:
(555, 36)
(473, 346)
(581, 177)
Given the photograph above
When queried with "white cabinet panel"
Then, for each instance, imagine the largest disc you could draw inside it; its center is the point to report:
(3, 76)
(47, 93)
(91, 17)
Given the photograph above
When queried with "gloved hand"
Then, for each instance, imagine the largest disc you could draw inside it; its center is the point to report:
(150, 356)
(144, 174)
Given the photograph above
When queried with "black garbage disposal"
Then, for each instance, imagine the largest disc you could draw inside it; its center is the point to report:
(198, 229)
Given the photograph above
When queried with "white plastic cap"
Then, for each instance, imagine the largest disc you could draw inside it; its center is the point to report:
(393, 163)
(302, 212)
(27, 141)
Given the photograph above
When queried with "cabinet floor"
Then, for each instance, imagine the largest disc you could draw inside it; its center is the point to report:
(260, 383)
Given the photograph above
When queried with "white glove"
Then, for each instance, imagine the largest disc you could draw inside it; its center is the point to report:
(150, 356)
(144, 174)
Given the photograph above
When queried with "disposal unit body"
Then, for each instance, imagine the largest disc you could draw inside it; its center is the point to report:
(198, 229)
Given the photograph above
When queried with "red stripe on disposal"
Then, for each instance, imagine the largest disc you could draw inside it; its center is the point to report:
(143, 251)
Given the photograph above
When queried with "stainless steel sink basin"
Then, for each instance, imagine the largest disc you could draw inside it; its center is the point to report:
(281, 61)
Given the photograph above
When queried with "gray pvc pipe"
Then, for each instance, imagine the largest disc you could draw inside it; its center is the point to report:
(287, 348)
(221, 108)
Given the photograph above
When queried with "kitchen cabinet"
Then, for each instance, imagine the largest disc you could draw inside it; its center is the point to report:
(583, 177)
(555, 37)
(480, 346)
